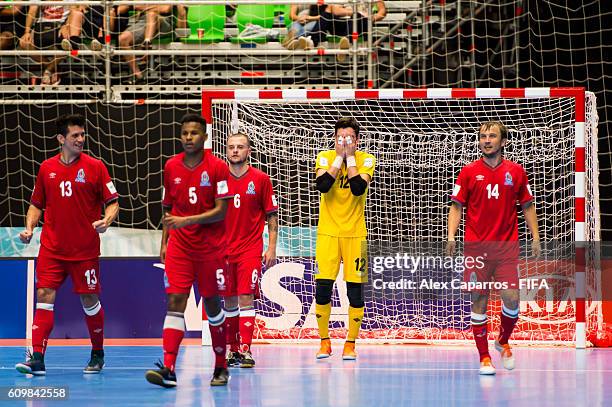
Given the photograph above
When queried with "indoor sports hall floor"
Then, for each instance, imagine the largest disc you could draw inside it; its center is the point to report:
(289, 375)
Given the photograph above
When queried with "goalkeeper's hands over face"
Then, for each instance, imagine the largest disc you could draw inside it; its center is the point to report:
(350, 146)
(340, 147)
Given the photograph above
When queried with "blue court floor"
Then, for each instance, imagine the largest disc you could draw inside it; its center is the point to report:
(289, 375)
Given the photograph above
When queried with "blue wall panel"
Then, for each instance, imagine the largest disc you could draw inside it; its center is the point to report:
(13, 280)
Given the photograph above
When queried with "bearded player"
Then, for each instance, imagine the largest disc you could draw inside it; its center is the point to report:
(491, 188)
(71, 188)
(342, 178)
(254, 204)
(193, 245)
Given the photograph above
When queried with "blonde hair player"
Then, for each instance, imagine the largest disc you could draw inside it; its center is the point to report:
(343, 175)
(491, 187)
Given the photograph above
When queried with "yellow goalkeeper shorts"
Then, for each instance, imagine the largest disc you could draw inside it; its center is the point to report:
(351, 251)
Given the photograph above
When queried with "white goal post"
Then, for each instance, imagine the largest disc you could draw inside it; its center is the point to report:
(421, 138)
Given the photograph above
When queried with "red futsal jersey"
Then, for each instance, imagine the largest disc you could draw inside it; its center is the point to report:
(491, 196)
(72, 196)
(192, 191)
(254, 199)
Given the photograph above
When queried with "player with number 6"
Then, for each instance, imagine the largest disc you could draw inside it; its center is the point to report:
(253, 205)
(71, 188)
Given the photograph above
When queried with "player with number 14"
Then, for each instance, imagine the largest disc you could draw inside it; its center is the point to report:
(491, 188)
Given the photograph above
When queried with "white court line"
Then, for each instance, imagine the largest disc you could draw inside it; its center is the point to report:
(318, 368)
(30, 300)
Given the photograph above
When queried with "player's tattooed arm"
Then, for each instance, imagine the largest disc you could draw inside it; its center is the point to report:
(270, 254)
(32, 218)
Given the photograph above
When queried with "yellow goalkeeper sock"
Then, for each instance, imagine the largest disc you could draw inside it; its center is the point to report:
(323, 312)
(355, 317)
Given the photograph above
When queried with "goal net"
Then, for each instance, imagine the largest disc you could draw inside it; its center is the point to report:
(421, 139)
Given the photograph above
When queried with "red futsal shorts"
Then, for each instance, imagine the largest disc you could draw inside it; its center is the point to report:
(183, 270)
(499, 274)
(242, 277)
(51, 273)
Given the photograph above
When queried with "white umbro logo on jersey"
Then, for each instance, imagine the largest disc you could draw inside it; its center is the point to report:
(479, 177)
(52, 175)
(177, 180)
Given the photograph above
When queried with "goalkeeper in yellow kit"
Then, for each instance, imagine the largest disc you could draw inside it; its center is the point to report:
(342, 179)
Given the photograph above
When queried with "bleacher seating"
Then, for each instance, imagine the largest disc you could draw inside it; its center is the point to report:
(274, 68)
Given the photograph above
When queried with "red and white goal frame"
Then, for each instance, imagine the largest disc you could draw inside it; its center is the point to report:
(575, 93)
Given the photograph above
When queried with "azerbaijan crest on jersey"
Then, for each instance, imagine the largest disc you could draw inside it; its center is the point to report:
(80, 176)
(508, 180)
(204, 179)
(251, 188)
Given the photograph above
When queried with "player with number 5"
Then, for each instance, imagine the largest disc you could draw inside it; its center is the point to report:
(71, 188)
(193, 245)
(491, 188)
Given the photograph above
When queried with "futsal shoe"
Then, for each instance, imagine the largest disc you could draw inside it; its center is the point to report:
(486, 367)
(163, 376)
(246, 359)
(220, 377)
(233, 358)
(96, 362)
(35, 365)
(325, 351)
(349, 351)
(506, 355)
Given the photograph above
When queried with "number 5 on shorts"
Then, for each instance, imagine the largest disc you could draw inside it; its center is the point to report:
(220, 278)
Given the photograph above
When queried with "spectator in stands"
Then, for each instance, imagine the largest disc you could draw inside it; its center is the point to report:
(45, 30)
(338, 20)
(12, 22)
(89, 21)
(144, 26)
(305, 19)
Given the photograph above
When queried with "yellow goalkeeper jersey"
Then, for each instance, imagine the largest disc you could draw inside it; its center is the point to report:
(341, 213)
